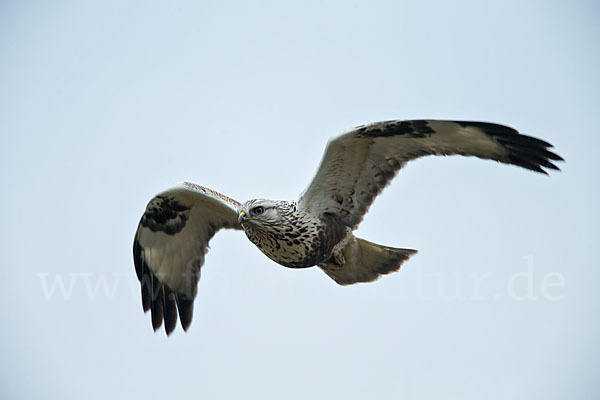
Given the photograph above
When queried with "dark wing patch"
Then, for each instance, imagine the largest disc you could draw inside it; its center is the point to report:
(416, 128)
(165, 214)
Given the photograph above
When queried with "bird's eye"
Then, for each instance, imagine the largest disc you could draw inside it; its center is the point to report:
(258, 210)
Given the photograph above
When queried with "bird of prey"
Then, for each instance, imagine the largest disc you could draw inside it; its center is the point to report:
(316, 229)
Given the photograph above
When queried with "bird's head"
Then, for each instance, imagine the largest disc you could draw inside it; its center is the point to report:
(259, 213)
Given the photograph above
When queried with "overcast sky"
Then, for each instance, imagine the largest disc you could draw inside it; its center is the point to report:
(103, 104)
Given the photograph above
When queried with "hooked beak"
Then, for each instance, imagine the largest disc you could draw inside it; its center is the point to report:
(242, 217)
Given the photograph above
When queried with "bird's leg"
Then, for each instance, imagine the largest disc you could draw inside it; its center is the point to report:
(338, 256)
(338, 250)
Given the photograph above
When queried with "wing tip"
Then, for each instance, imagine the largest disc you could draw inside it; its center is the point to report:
(163, 303)
(525, 151)
(186, 311)
(169, 309)
(530, 153)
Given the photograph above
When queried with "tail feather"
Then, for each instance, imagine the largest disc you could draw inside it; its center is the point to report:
(365, 262)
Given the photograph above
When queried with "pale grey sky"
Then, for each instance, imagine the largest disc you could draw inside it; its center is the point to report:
(105, 103)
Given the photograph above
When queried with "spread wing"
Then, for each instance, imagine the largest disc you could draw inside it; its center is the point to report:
(358, 164)
(169, 248)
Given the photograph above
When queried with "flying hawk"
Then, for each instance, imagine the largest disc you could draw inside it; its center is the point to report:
(172, 237)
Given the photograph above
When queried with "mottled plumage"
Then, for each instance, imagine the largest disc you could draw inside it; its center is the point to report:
(173, 234)
(290, 236)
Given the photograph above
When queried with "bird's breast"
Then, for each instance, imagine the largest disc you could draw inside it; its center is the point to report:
(301, 243)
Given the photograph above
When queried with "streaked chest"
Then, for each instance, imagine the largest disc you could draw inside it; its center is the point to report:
(295, 242)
